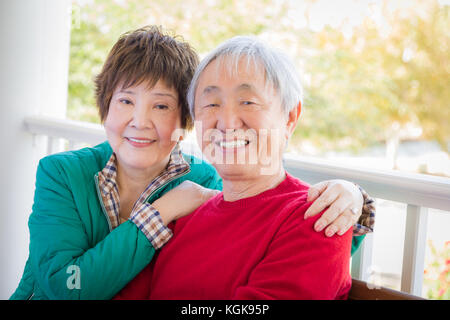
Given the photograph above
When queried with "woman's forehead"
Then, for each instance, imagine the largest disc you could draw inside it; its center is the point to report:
(146, 83)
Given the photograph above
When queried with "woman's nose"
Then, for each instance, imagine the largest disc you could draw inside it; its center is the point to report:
(142, 117)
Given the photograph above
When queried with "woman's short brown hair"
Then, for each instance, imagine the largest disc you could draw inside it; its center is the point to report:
(147, 54)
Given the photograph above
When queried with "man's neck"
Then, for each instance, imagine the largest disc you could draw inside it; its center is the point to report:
(244, 188)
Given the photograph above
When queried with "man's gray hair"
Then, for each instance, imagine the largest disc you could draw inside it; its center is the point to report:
(279, 70)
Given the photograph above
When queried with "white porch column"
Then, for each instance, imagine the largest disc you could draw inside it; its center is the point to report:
(34, 56)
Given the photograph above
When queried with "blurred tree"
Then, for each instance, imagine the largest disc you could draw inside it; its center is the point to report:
(204, 24)
(424, 87)
(375, 84)
(364, 87)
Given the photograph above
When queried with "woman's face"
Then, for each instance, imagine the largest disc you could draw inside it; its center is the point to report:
(140, 123)
(239, 119)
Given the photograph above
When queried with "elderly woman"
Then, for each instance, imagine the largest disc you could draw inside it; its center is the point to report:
(251, 241)
(92, 229)
(98, 215)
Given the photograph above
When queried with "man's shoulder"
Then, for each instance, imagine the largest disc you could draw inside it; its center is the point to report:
(295, 223)
(293, 204)
(294, 192)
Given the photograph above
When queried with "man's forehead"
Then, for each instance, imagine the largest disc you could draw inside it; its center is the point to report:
(242, 76)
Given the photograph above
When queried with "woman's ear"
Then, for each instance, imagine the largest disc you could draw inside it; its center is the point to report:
(292, 120)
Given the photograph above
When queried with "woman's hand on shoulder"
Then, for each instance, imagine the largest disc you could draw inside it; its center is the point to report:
(344, 202)
(182, 200)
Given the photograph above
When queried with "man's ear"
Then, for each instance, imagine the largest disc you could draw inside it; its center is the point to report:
(292, 120)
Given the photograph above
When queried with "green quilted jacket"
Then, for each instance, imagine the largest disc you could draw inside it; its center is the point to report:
(73, 254)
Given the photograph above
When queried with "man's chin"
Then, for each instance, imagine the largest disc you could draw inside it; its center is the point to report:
(236, 169)
(247, 170)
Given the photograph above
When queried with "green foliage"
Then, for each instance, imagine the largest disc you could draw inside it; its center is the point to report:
(358, 86)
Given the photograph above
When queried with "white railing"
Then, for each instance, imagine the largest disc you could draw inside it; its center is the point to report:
(418, 191)
(72, 131)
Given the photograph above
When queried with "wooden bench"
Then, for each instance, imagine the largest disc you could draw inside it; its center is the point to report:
(361, 291)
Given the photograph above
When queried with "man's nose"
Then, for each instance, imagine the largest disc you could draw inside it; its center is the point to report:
(229, 118)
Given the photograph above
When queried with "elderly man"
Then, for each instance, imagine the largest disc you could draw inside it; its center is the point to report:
(251, 241)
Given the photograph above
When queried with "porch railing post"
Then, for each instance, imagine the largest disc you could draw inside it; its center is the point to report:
(414, 249)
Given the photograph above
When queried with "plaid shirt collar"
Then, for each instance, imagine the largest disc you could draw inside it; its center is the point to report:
(110, 193)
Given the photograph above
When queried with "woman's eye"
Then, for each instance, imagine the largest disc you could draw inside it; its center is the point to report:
(211, 105)
(247, 103)
(125, 101)
(161, 107)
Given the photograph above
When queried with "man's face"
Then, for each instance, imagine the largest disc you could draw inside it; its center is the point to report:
(241, 126)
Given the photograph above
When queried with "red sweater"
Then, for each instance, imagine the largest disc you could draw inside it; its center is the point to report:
(255, 248)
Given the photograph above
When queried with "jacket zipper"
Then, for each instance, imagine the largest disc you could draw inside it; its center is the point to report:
(146, 200)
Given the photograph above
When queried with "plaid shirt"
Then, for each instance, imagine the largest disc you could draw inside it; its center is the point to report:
(146, 217)
(367, 219)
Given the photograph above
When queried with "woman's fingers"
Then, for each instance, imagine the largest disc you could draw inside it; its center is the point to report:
(343, 203)
(342, 224)
(316, 190)
(327, 197)
(331, 214)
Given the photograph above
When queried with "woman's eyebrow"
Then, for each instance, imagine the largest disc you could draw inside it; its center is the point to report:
(127, 91)
(163, 94)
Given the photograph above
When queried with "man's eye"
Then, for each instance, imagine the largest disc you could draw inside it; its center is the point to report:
(247, 103)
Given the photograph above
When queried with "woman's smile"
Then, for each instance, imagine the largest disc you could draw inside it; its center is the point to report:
(139, 142)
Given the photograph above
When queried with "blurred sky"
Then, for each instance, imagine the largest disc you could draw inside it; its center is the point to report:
(346, 14)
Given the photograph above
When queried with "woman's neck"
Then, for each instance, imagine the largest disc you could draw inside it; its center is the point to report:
(244, 188)
(133, 181)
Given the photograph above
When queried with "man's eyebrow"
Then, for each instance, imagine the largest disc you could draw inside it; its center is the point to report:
(245, 86)
(210, 89)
